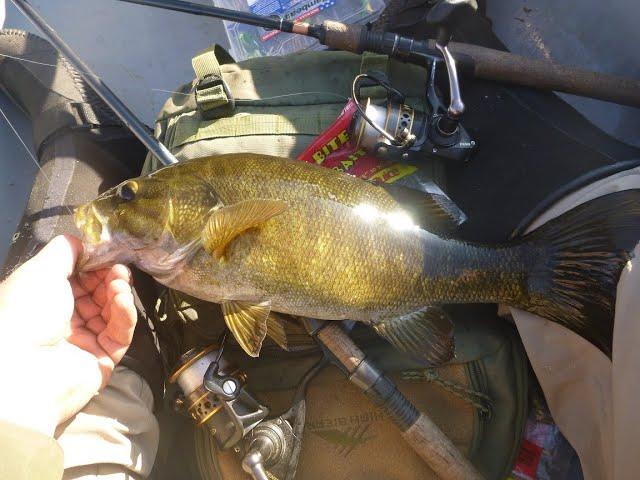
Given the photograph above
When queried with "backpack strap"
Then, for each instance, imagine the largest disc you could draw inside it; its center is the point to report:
(212, 93)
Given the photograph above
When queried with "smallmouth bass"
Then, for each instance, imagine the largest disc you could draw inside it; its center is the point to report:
(261, 234)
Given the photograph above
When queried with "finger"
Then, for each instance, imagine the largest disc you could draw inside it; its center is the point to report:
(116, 287)
(121, 273)
(87, 308)
(100, 294)
(76, 288)
(96, 324)
(106, 312)
(89, 280)
(76, 321)
(118, 271)
(102, 273)
(59, 256)
(122, 319)
(116, 337)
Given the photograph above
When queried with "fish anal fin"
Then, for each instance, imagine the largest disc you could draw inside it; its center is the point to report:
(426, 334)
(287, 333)
(228, 222)
(248, 323)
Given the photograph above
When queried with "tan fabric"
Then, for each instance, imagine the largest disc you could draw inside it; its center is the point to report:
(343, 425)
(593, 400)
(116, 435)
(26, 454)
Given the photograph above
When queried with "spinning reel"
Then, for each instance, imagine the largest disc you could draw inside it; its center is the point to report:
(395, 130)
(215, 397)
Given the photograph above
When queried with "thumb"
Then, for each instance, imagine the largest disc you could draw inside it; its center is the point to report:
(59, 256)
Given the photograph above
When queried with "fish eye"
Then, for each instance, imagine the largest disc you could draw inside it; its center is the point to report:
(128, 191)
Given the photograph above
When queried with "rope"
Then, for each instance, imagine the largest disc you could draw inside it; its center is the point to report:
(482, 402)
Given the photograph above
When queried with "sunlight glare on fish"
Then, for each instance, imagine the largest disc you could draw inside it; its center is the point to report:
(397, 220)
(367, 212)
(401, 221)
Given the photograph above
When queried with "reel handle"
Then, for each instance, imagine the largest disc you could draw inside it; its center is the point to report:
(252, 464)
(445, 14)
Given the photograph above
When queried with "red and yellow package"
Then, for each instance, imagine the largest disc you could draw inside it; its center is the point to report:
(335, 149)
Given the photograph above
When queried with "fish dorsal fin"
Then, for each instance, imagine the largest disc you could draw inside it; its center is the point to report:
(426, 334)
(228, 222)
(248, 323)
(432, 209)
(287, 333)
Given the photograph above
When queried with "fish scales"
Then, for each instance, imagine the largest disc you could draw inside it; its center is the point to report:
(317, 255)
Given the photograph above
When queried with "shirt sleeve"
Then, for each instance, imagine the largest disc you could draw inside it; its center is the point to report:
(26, 454)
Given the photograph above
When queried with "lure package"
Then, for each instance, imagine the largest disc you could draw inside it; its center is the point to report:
(334, 148)
(544, 452)
(247, 41)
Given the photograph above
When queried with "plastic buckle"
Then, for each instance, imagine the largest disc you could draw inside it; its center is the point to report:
(208, 81)
(212, 81)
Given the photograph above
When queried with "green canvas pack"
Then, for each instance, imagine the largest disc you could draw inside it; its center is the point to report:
(277, 106)
(274, 105)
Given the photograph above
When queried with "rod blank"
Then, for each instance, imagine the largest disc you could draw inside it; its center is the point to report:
(271, 23)
(104, 92)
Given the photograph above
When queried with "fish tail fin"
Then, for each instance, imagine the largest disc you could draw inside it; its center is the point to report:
(582, 254)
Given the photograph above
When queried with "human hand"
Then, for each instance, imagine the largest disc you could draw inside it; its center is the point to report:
(61, 334)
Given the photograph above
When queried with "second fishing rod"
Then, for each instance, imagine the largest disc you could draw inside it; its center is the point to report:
(471, 60)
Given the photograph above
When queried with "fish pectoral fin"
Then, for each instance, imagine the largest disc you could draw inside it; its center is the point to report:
(287, 333)
(226, 223)
(426, 334)
(248, 323)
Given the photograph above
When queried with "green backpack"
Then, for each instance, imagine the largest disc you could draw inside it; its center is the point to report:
(277, 106)
(274, 105)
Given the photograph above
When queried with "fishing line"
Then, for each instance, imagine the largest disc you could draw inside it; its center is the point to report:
(31, 155)
(48, 179)
(182, 93)
(285, 95)
(27, 60)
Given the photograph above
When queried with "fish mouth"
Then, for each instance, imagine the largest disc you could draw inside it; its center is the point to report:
(99, 248)
(96, 257)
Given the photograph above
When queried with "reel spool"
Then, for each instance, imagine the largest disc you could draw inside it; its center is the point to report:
(384, 131)
(214, 396)
(397, 119)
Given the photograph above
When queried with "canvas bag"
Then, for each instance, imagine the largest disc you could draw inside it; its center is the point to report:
(277, 106)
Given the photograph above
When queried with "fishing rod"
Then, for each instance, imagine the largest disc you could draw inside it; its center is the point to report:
(472, 60)
(416, 427)
(133, 123)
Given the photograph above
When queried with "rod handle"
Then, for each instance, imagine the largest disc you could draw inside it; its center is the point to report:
(496, 65)
(422, 434)
(437, 450)
(342, 36)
